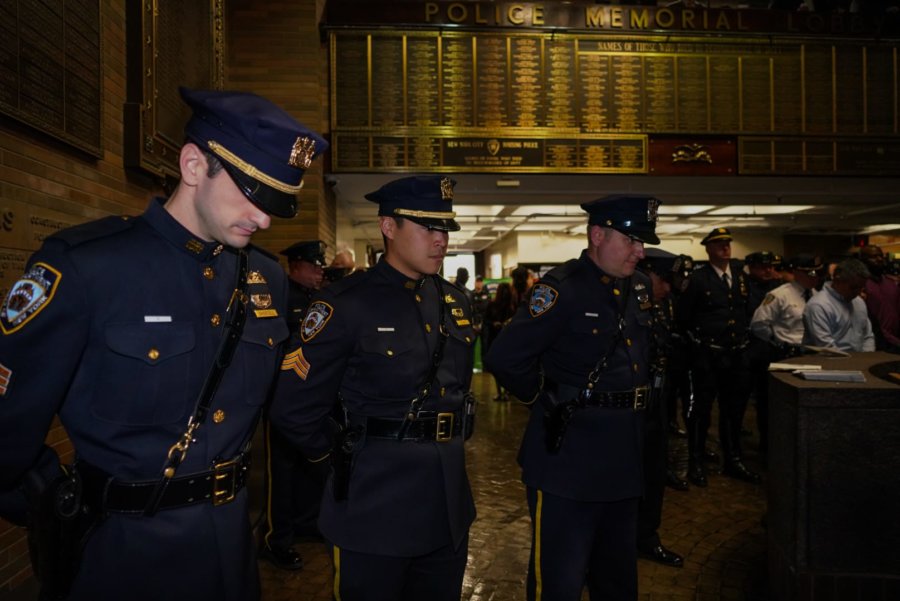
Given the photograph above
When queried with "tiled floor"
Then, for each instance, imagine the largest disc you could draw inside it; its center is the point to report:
(718, 529)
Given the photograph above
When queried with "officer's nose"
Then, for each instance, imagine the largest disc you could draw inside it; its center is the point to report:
(260, 218)
(639, 249)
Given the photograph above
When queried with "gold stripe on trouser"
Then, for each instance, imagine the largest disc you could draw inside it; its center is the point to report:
(538, 580)
(269, 525)
(337, 573)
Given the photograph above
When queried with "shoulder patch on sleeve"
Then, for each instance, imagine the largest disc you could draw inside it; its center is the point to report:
(296, 363)
(29, 296)
(317, 316)
(543, 297)
(769, 298)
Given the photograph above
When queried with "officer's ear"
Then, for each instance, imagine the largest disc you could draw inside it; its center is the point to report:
(388, 227)
(596, 234)
(192, 164)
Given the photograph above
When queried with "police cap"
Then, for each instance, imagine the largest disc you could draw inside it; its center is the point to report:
(263, 148)
(311, 251)
(659, 261)
(719, 233)
(424, 199)
(634, 215)
(811, 264)
(761, 257)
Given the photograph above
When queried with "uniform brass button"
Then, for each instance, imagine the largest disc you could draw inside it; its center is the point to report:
(219, 416)
(634, 366)
(215, 320)
(616, 291)
(153, 354)
(443, 391)
(270, 341)
(209, 273)
(595, 331)
(627, 340)
(428, 327)
(418, 299)
(468, 339)
(390, 353)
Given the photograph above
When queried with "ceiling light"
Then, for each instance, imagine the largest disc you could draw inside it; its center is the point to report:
(760, 209)
(881, 228)
(665, 209)
(527, 210)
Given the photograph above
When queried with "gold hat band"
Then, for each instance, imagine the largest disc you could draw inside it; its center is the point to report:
(251, 170)
(426, 214)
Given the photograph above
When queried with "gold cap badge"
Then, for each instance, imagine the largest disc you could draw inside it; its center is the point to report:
(302, 153)
(446, 189)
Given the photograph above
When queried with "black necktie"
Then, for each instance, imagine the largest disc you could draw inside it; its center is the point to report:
(725, 279)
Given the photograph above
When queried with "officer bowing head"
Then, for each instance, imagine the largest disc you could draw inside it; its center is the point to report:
(306, 263)
(415, 215)
(660, 265)
(265, 153)
(618, 227)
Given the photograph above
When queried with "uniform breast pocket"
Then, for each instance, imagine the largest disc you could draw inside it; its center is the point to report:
(387, 364)
(257, 355)
(144, 373)
(460, 351)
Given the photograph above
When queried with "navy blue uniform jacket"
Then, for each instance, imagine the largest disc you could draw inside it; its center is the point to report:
(713, 312)
(368, 340)
(569, 324)
(120, 346)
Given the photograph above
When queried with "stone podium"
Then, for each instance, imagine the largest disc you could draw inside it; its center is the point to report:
(834, 483)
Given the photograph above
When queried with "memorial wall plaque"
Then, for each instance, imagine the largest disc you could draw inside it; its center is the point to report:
(482, 84)
(422, 81)
(161, 58)
(850, 90)
(50, 68)
(388, 90)
(881, 90)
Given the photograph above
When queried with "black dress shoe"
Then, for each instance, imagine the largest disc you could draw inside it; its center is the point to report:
(660, 554)
(697, 476)
(673, 481)
(739, 471)
(286, 559)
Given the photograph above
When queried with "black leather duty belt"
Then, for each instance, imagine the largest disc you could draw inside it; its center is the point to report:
(218, 486)
(439, 427)
(635, 398)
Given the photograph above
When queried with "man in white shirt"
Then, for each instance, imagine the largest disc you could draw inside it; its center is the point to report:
(837, 317)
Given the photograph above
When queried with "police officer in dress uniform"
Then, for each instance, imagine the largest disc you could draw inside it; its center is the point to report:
(713, 313)
(778, 324)
(578, 349)
(293, 485)
(659, 266)
(115, 326)
(393, 345)
(763, 277)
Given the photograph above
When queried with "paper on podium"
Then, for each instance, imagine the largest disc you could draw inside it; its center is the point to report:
(792, 367)
(833, 375)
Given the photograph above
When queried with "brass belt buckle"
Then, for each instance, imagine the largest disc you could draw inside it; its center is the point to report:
(640, 398)
(224, 482)
(443, 428)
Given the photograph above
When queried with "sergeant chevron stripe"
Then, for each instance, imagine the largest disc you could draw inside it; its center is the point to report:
(297, 363)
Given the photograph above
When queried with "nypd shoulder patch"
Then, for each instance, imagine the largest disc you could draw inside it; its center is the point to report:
(543, 297)
(29, 296)
(317, 316)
